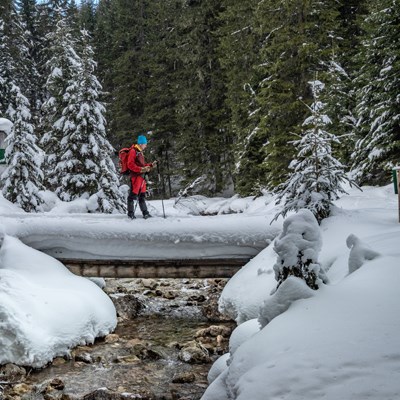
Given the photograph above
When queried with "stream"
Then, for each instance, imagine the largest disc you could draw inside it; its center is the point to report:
(168, 335)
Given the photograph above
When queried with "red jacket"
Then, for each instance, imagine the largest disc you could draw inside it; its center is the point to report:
(136, 160)
(135, 164)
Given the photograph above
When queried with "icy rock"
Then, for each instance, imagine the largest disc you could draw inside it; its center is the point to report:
(194, 353)
(127, 306)
(11, 373)
(185, 377)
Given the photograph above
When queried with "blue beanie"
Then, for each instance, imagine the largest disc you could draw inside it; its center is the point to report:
(141, 139)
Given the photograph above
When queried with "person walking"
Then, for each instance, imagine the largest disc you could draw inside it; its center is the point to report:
(138, 169)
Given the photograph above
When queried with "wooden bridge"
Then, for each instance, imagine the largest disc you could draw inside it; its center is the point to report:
(180, 268)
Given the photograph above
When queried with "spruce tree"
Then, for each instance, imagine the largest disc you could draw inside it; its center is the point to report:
(340, 76)
(239, 42)
(317, 176)
(14, 57)
(23, 176)
(297, 40)
(32, 77)
(161, 98)
(204, 145)
(7, 69)
(62, 65)
(378, 105)
(85, 163)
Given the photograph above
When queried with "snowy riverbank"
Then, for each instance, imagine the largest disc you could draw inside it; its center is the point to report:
(342, 342)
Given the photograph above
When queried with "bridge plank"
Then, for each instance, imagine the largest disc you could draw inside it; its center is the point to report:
(179, 268)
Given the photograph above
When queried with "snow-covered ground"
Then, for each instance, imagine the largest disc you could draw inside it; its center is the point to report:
(339, 342)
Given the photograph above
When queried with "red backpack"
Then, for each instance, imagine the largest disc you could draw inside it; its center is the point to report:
(123, 160)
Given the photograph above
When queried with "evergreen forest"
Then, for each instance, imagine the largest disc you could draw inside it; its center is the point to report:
(224, 90)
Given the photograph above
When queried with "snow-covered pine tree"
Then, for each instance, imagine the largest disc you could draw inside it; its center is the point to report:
(62, 64)
(317, 175)
(23, 177)
(85, 163)
(109, 197)
(378, 108)
(339, 98)
(28, 13)
(4, 70)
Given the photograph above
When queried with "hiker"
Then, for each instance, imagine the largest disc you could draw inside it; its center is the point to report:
(138, 169)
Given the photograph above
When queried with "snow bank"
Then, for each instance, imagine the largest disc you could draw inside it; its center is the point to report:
(341, 344)
(44, 309)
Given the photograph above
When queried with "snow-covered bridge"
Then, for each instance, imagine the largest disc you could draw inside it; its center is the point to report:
(113, 246)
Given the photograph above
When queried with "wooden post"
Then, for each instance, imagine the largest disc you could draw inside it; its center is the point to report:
(398, 188)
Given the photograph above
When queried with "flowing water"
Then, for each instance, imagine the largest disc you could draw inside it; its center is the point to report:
(141, 358)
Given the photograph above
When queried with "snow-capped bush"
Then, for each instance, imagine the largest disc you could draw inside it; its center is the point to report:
(298, 247)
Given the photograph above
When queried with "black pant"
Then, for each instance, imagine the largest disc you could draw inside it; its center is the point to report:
(132, 197)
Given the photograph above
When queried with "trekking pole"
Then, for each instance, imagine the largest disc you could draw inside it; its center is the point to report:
(162, 191)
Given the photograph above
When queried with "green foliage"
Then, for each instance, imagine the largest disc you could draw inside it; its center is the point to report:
(297, 40)
(378, 105)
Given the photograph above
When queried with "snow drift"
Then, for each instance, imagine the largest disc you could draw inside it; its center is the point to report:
(44, 309)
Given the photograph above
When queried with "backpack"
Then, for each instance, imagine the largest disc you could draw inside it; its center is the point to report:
(123, 160)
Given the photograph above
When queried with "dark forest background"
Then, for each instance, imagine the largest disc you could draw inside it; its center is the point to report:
(221, 88)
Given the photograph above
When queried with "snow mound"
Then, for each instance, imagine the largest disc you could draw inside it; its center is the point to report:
(219, 366)
(359, 253)
(44, 309)
(242, 333)
(292, 289)
(249, 287)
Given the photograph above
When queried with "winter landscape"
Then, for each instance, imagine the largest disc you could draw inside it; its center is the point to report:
(258, 130)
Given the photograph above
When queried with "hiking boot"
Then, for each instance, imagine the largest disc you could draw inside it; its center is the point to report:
(147, 215)
(131, 215)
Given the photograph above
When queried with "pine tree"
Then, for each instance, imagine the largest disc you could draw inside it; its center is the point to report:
(238, 49)
(62, 64)
(204, 145)
(13, 56)
(297, 40)
(317, 175)
(29, 15)
(340, 102)
(378, 148)
(85, 162)
(159, 55)
(23, 177)
(87, 15)
(7, 69)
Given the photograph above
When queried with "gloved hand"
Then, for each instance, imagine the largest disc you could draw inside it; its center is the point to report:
(145, 169)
